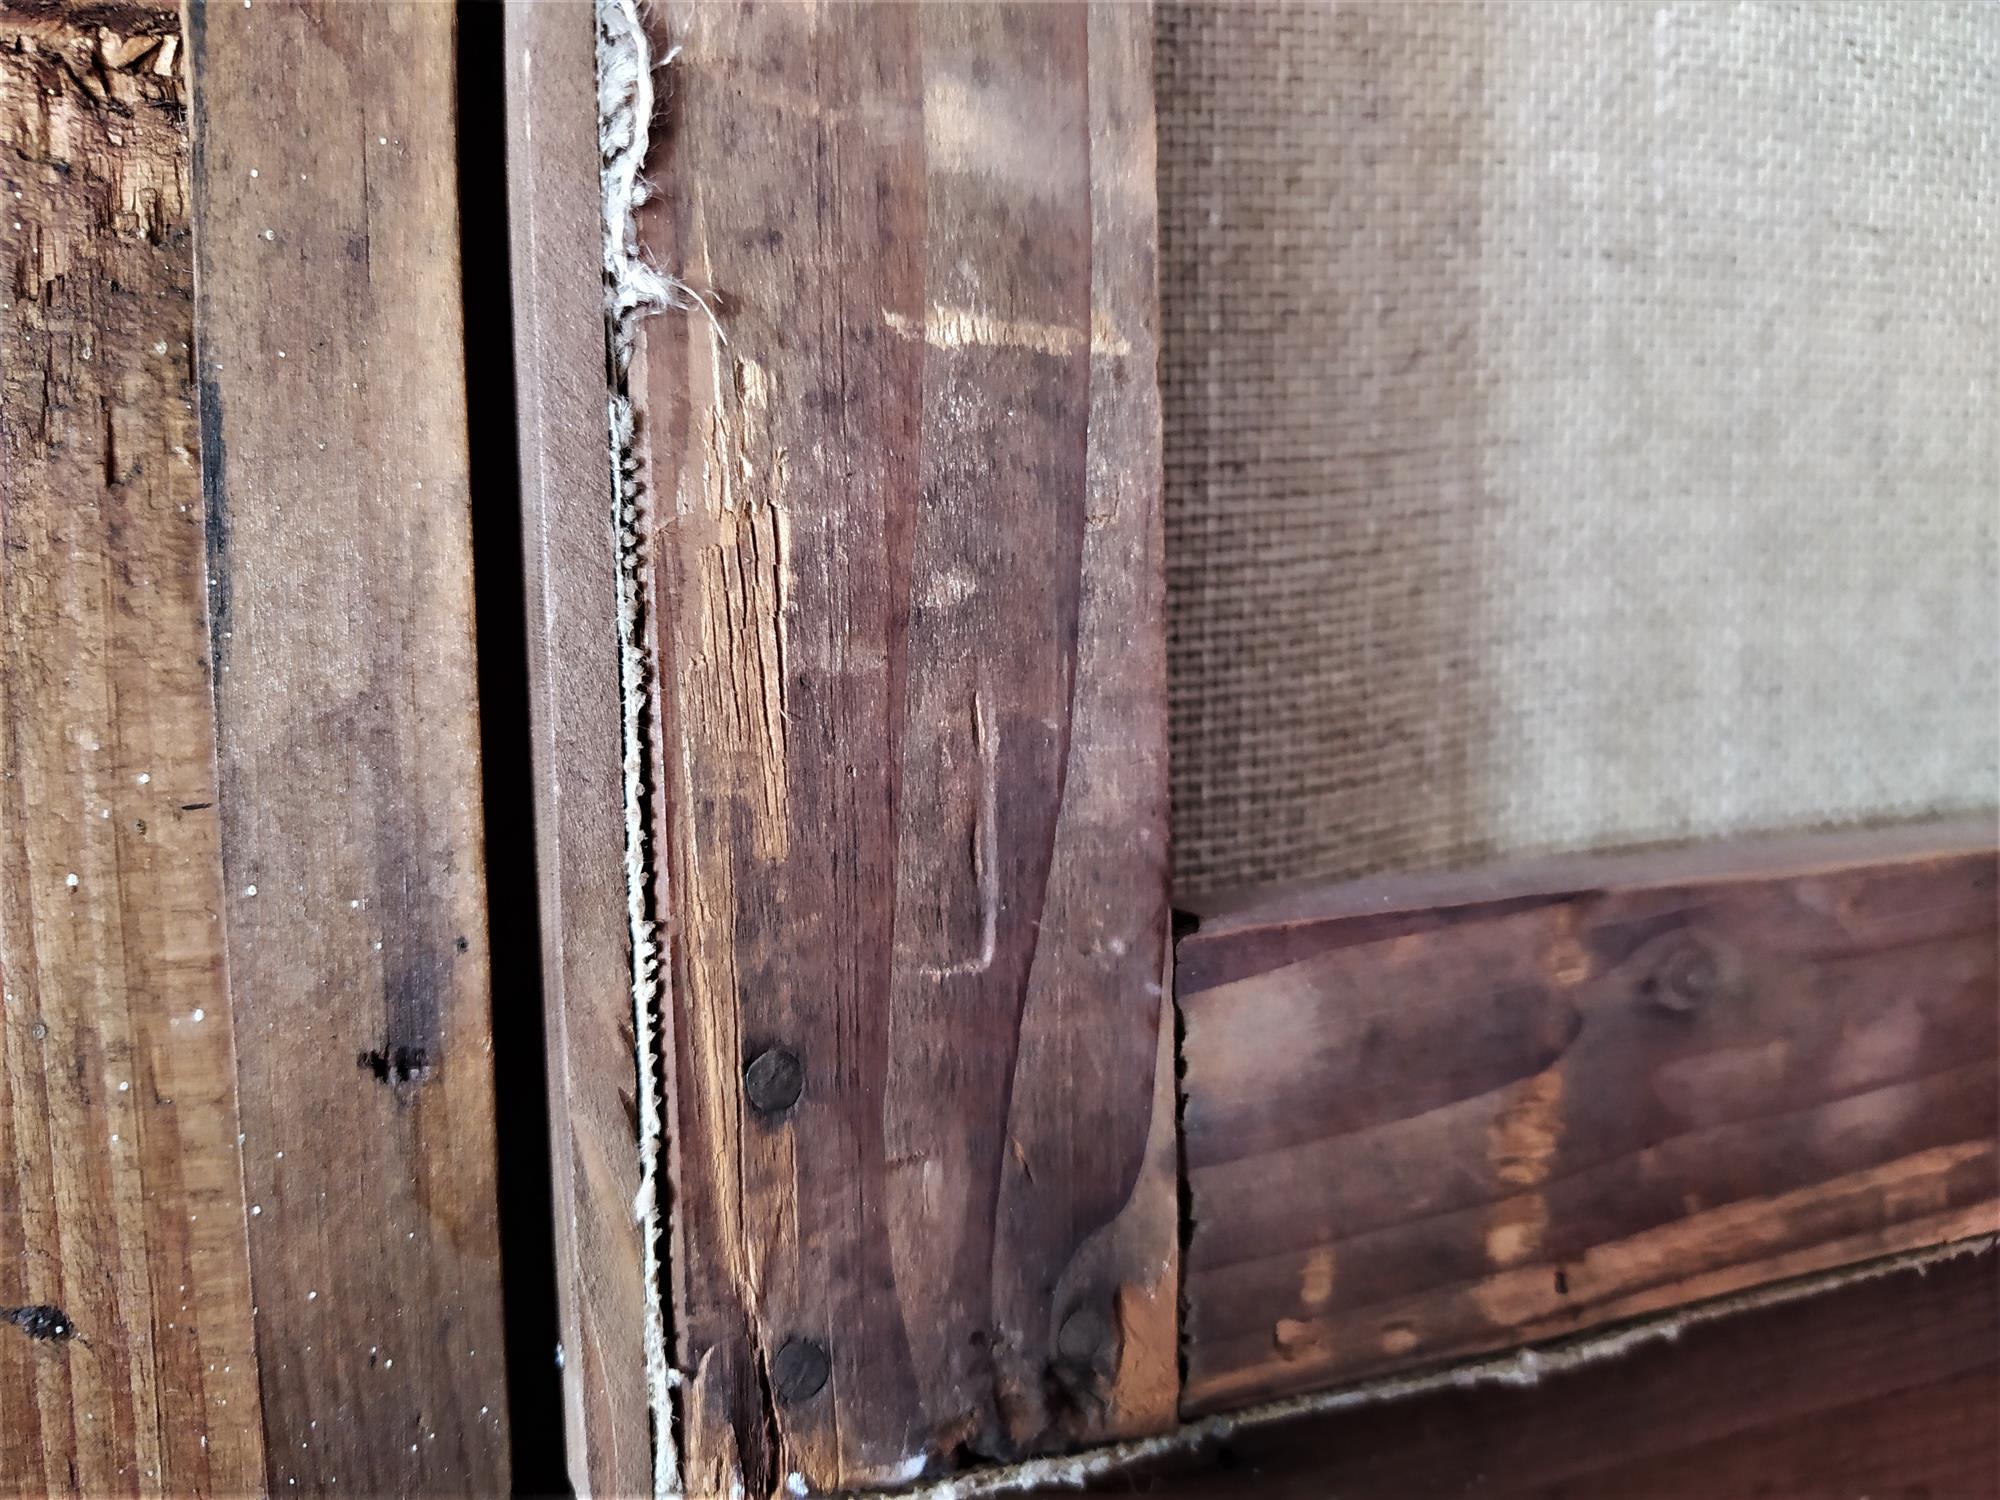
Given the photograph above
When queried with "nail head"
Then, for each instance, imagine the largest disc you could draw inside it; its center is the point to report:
(799, 1370)
(774, 1080)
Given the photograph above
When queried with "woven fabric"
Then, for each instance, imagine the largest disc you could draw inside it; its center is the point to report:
(1581, 425)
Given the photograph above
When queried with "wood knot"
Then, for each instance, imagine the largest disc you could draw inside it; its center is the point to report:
(1085, 1363)
(1687, 978)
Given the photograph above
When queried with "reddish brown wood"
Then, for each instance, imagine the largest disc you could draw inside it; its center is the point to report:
(331, 370)
(910, 735)
(1887, 1387)
(1490, 1113)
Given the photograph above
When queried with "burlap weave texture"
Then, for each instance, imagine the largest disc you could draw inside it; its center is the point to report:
(1581, 424)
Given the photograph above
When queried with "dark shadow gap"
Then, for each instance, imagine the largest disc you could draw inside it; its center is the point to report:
(520, 1075)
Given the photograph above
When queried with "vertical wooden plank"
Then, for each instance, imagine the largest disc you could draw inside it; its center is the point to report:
(126, 1357)
(561, 384)
(334, 444)
(906, 593)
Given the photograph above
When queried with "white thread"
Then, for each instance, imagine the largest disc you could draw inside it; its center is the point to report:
(633, 289)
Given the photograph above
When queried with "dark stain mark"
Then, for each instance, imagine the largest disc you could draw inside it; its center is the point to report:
(40, 1321)
(195, 806)
(460, 944)
(215, 520)
(396, 1064)
(417, 977)
(1562, 1282)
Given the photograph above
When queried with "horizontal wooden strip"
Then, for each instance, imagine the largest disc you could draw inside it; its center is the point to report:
(1418, 1131)
(1887, 1386)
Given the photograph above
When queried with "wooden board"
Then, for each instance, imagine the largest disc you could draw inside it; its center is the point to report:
(127, 1363)
(1463, 1118)
(906, 597)
(332, 384)
(556, 223)
(1883, 1387)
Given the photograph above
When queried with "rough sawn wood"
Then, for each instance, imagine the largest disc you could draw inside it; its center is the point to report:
(1460, 1114)
(906, 601)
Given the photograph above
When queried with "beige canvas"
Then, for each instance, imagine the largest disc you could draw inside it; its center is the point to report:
(1581, 424)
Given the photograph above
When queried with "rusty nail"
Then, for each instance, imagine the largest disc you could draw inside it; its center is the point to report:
(799, 1370)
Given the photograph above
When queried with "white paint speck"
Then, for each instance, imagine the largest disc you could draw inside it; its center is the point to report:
(125, 1087)
(199, 1014)
(312, 1296)
(70, 880)
(144, 777)
(160, 347)
(270, 234)
(253, 171)
(114, 1141)
(249, 890)
(256, 1209)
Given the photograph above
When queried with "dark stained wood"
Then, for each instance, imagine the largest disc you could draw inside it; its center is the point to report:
(561, 386)
(1887, 1387)
(906, 593)
(126, 1356)
(332, 384)
(1422, 1128)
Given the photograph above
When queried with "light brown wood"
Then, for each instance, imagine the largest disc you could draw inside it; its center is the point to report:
(334, 445)
(906, 598)
(561, 389)
(1417, 1129)
(127, 1364)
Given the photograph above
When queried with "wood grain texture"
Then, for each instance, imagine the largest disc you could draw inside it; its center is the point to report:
(1886, 1387)
(331, 378)
(1422, 1127)
(556, 217)
(121, 1201)
(907, 605)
